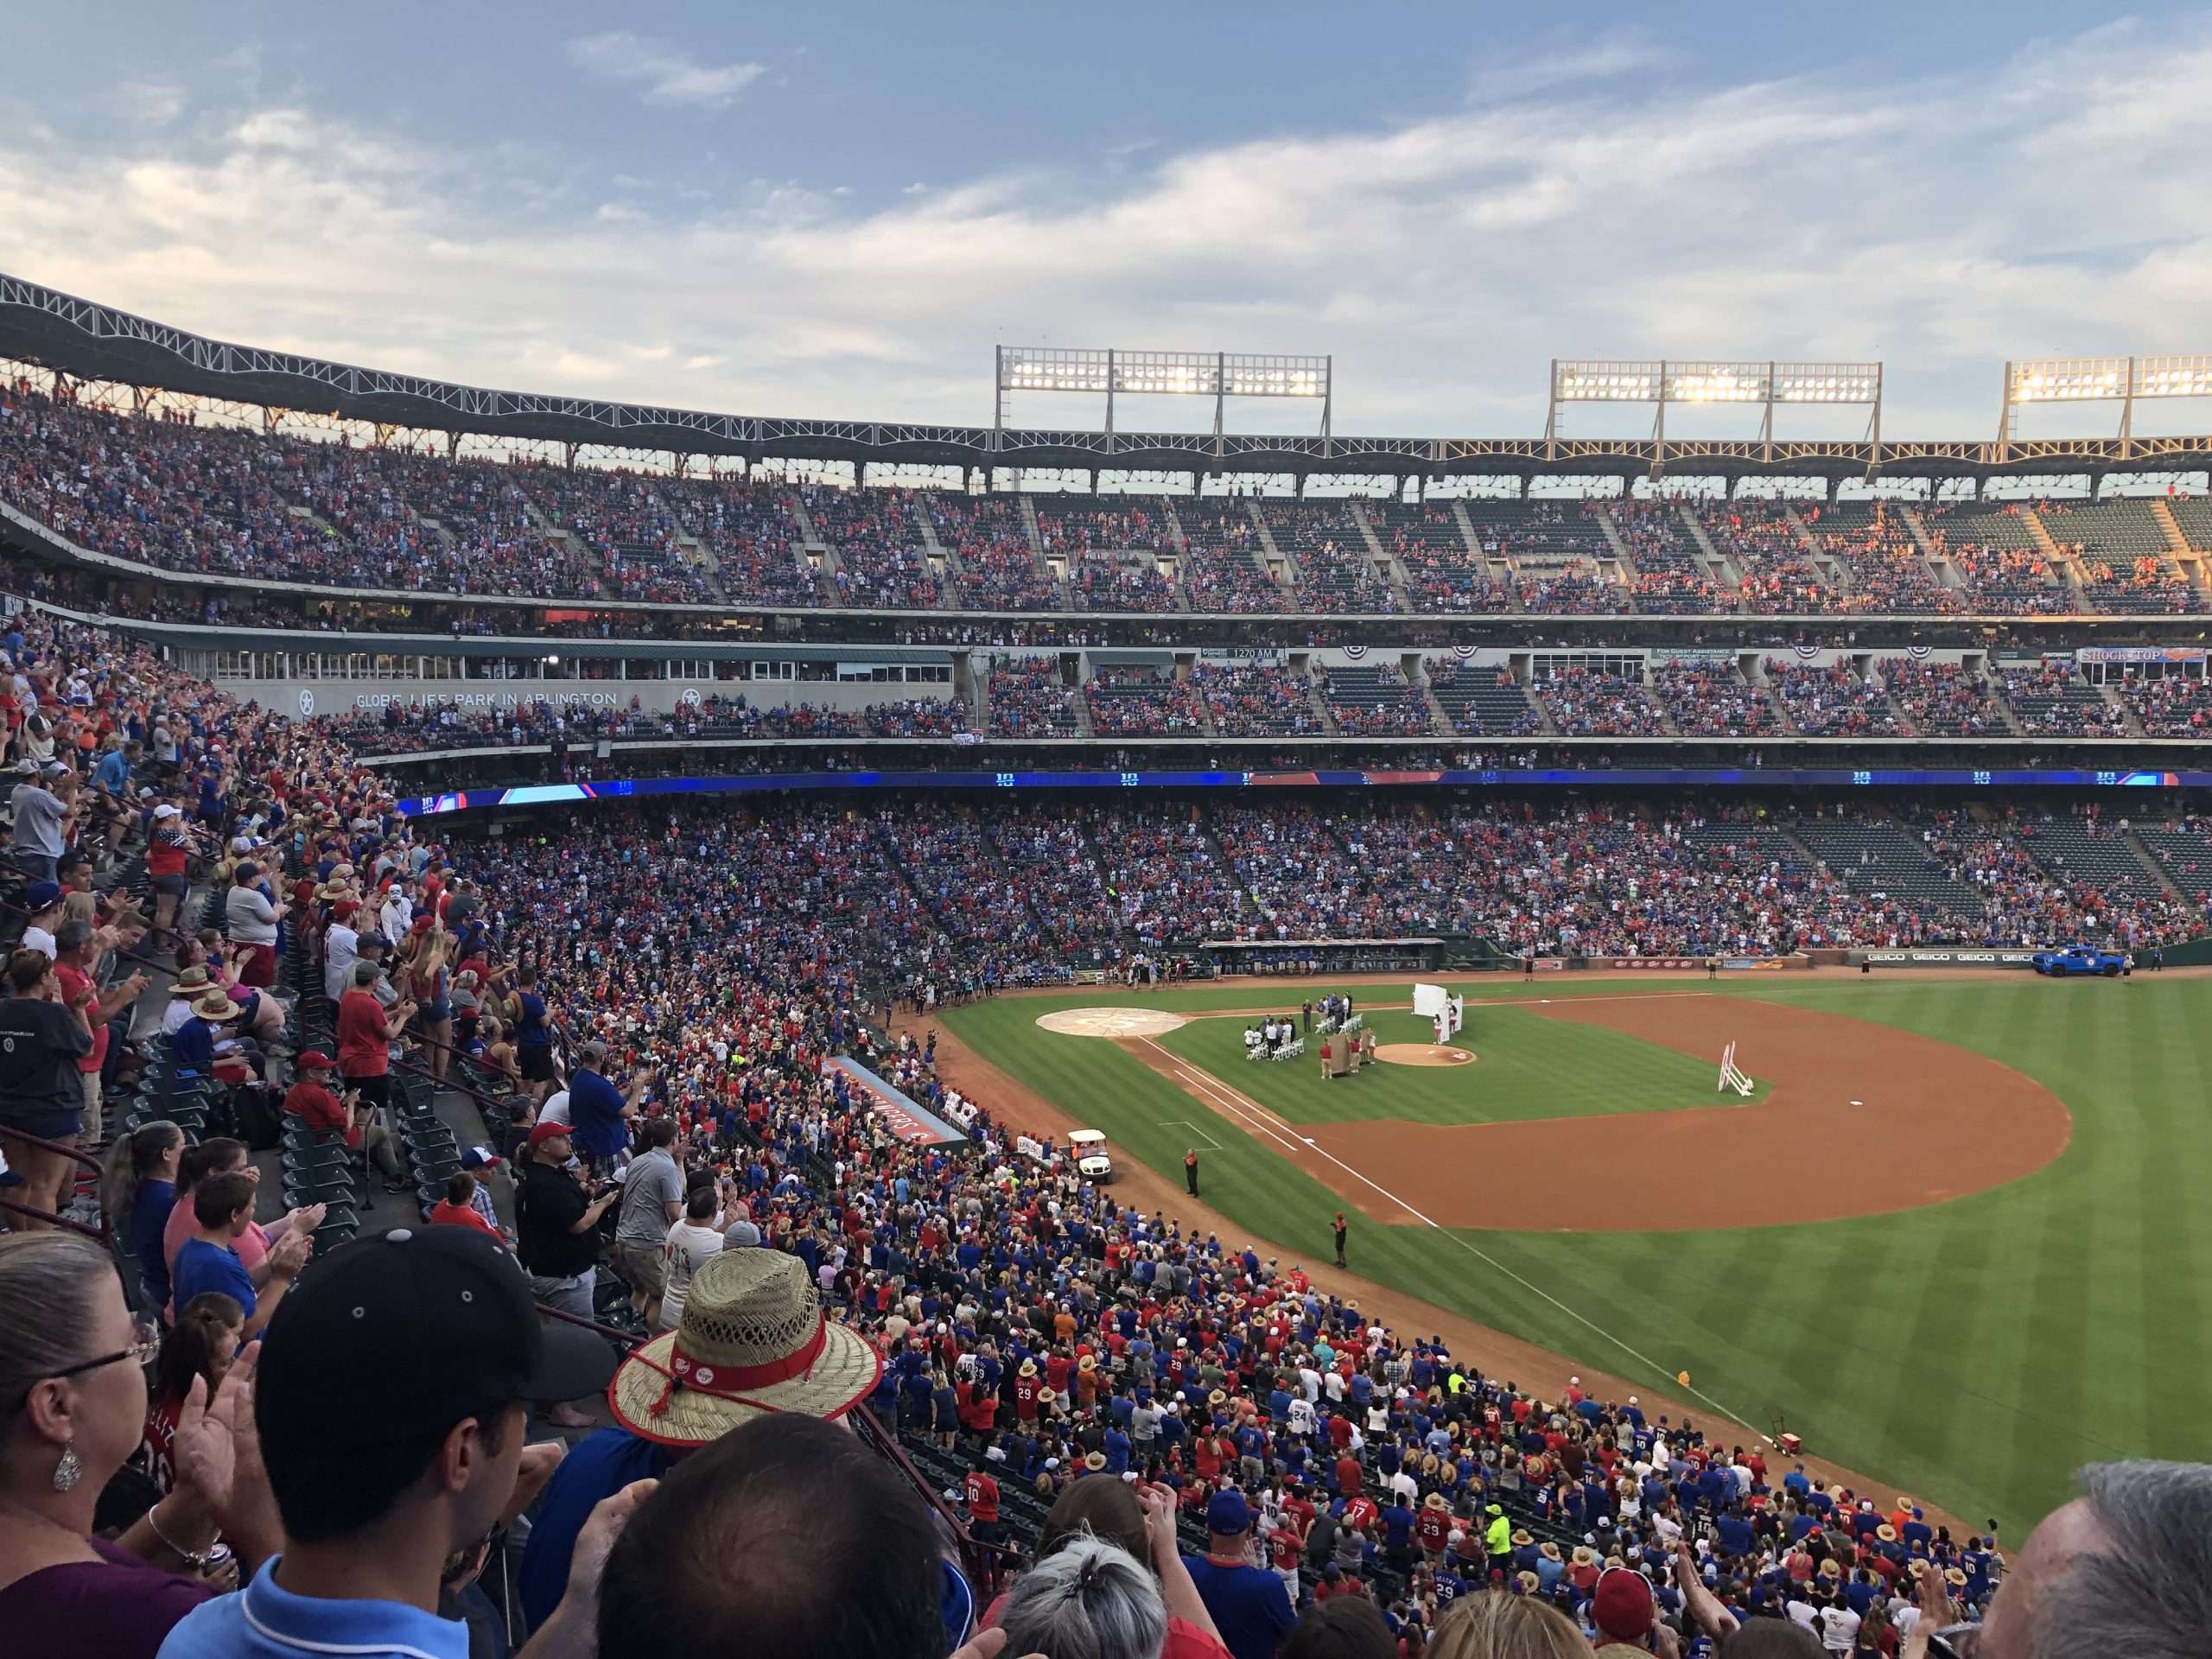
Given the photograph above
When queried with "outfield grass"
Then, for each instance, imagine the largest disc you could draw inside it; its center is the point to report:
(1974, 1351)
(1526, 1066)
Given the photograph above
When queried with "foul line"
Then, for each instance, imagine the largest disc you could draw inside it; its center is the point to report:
(1252, 1113)
(1197, 1134)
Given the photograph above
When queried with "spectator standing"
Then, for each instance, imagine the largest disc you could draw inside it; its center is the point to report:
(42, 1091)
(653, 1202)
(253, 916)
(76, 957)
(365, 1034)
(559, 1242)
(41, 817)
(1246, 1601)
(691, 1243)
(599, 1111)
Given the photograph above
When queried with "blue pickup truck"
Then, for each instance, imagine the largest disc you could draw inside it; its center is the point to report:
(2078, 959)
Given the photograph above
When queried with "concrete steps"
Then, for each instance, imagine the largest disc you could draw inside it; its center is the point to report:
(1391, 569)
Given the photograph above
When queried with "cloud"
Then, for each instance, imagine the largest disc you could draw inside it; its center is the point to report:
(146, 103)
(1565, 61)
(664, 73)
(1942, 222)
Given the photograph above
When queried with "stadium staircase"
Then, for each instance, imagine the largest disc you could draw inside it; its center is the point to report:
(1181, 544)
(2113, 860)
(1831, 571)
(1760, 681)
(2192, 517)
(1717, 562)
(1059, 580)
(1626, 575)
(2061, 559)
(1392, 572)
(1889, 701)
(2182, 855)
(2184, 557)
(943, 559)
(1279, 570)
(1481, 560)
(1947, 574)
(810, 539)
(2111, 696)
(1883, 858)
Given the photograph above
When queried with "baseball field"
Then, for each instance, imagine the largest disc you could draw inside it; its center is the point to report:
(1955, 1239)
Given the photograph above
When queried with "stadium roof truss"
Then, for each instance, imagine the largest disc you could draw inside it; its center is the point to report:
(84, 340)
(2121, 380)
(1217, 375)
(1749, 384)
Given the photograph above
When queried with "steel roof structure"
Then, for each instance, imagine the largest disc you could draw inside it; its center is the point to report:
(84, 338)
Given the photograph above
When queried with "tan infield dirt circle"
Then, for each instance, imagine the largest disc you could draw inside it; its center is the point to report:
(1422, 1054)
(1112, 1022)
(1874, 1118)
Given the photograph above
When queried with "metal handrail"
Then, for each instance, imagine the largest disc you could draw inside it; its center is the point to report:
(104, 1232)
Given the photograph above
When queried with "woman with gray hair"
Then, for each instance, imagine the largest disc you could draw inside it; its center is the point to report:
(1079, 1600)
(1089, 1599)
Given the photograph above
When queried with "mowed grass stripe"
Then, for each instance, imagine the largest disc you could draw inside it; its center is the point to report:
(1526, 1066)
(1973, 1352)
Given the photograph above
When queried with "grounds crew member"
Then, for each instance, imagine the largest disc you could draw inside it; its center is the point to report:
(1191, 1171)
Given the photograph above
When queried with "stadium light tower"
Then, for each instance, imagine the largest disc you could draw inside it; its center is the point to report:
(1217, 375)
(1665, 380)
(2100, 379)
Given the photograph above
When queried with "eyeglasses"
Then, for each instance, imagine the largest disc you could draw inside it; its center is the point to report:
(142, 1351)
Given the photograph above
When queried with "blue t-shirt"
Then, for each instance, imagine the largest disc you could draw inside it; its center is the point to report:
(193, 1045)
(150, 1215)
(1249, 1606)
(264, 1621)
(599, 1465)
(201, 1267)
(595, 1112)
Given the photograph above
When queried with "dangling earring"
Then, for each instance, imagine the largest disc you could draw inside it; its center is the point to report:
(70, 1470)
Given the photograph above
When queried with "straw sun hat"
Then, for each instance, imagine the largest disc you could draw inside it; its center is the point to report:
(753, 1339)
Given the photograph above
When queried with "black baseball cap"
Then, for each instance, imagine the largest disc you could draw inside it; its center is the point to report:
(407, 1333)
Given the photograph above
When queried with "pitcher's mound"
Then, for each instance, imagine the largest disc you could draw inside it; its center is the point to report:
(1422, 1054)
(1111, 1022)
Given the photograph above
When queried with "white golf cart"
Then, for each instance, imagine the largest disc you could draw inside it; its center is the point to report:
(1088, 1149)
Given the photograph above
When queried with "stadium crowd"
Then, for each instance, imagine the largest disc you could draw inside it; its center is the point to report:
(167, 488)
(1196, 1448)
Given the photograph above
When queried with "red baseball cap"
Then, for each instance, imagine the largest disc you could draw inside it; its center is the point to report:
(315, 1060)
(547, 1131)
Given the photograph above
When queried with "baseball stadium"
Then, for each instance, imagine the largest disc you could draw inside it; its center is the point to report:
(1610, 1030)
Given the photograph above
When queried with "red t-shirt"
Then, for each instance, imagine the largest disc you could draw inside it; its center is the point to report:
(77, 987)
(983, 1497)
(446, 1213)
(363, 1048)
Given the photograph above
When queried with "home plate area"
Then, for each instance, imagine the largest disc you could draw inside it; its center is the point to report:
(1422, 1054)
(1111, 1022)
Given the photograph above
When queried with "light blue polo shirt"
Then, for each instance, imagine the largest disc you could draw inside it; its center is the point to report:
(264, 1621)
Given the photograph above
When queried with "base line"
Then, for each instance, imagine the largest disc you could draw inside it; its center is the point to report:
(1267, 1120)
(1197, 1134)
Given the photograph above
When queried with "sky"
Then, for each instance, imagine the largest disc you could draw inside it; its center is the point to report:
(838, 212)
